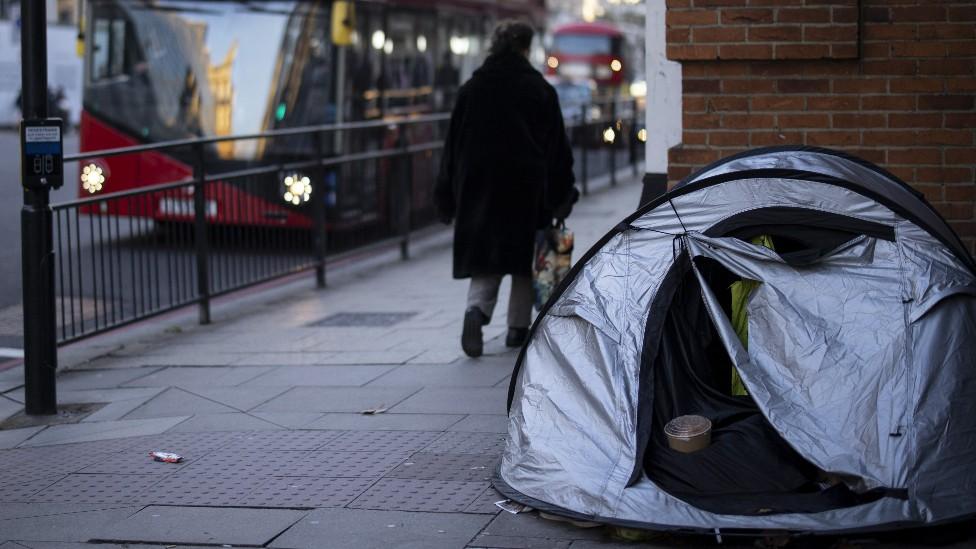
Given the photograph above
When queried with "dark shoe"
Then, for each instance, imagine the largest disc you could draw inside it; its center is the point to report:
(471, 339)
(516, 337)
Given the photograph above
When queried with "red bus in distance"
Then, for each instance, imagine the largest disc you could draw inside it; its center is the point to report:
(587, 51)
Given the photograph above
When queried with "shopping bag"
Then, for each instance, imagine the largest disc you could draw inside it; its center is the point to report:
(553, 258)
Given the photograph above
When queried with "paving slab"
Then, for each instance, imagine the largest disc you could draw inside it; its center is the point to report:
(385, 422)
(100, 379)
(336, 399)
(68, 527)
(290, 376)
(530, 525)
(281, 440)
(191, 376)
(10, 406)
(516, 542)
(371, 357)
(482, 423)
(485, 503)
(363, 529)
(331, 463)
(455, 400)
(435, 496)
(468, 443)
(98, 489)
(201, 525)
(284, 359)
(241, 398)
(389, 442)
(117, 410)
(13, 437)
(310, 492)
(177, 402)
(62, 434)
(22, 489)
(293, 420)
(443, 375)
(235, 421)
(189, 445)
(461, 467)
(207, 488)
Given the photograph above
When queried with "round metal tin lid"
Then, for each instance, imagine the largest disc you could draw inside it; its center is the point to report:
(687, 426)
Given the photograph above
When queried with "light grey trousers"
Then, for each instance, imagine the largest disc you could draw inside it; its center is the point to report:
(483, 293)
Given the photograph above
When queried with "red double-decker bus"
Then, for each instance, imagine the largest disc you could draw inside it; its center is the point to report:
(587, 52)
(163, 70)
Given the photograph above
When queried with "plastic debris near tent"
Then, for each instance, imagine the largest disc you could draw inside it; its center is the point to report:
(859, 410)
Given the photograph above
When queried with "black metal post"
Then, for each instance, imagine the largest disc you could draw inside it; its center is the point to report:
(37, 242)
(633, 137)
(319, 237)
(584, 136)
(402, 194)
(613, 144)
(200, 232)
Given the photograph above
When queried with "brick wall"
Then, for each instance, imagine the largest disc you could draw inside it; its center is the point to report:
(892, 81)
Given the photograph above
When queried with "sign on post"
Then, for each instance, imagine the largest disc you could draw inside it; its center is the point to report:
(42, 151)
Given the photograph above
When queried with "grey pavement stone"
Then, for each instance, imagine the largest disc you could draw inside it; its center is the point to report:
(347, 528)
(281, 440)
(459, 400)
(529, 525)
(437, 496)
(305, 376)
(241, 398)
(392, 442)
(10, 511)
(190, 376)
(311, 492)
(233, 462)
(371, 357)
(211, 488)
(69, 527)
(436, 356)
(235, 421)
(133, 462)
(201, 525)
(94, 395)
(335, 399)
(485, 503)
(96, 489)
(385, 422)
(177, 402)
(331, 463)
(79, 432)
(517, 542)
(460, 467)
(190, 445)
(100, 379)
(468, 443)
(13, 437)
(9, 406)
(443, 375)
(20, 490)
(292, 420)
(284, 359)
(482, 423)
(117, 410)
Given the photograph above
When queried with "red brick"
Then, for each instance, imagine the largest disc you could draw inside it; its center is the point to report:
(695, 156)
(845, 15)
(694, 137)
(691, 17)
(903, 173)
(748, 86)
(915, 85)
(844, 51)
(679, 35)
(726, 69)
(768, 139)
(932, 192)
(832, 33)
(803, 15)
(701, 121)
(728, 103)
(898, 31)
(747, 121)
(914, 120)
(947, 66)
(833, 103)
(718, 34)
(960, 120)
(961, 49)
(677, 3)
(918, 49)
(948, 175)
(776, 3)
(947, 31)
(701, 86)
(961, 85)
(717, 3)
(945, 102)
(791, 121)
(752, 51)
(843, 120)
(684, 53)
(961, 193)
(962, 155)
(802, 51)
(876, 50)
(693, 104)
(803, 86)
(860, 85)
(955, 210)
(728, 139)
(878, 156)
(889, 66)
(778, 103)
(958, 14)
(876, 14)
(753, 16)
(919, 13)
(902, 138)
(945, 137)
(775, 33)
(915, 156)
(888, 102)
(833, 138)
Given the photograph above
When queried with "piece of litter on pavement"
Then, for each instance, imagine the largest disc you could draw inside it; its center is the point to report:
(512, 507)
(166, 457)
(373, 411)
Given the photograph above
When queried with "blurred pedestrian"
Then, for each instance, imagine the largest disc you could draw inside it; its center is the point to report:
(506, 172)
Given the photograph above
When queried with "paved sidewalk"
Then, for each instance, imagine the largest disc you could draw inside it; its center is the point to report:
(267, 409)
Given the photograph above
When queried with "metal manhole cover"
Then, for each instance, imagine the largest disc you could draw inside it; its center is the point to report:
(347, 320)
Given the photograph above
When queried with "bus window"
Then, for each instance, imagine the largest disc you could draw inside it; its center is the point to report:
(582, 44)
(108, 59)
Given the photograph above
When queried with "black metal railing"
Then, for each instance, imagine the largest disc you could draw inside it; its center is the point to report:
(125, 256)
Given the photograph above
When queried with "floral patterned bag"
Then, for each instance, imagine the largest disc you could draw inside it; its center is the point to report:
(553, 258)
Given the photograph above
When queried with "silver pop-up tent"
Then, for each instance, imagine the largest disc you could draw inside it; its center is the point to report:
(854, 353)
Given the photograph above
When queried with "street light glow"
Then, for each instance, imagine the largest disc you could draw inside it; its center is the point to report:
(92, 178)
(378, 40)
(298, 189)
(642, 135)
(609, 135)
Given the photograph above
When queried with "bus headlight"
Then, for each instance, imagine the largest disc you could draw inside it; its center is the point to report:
(552, 62)
(616, 65)
(609, 135)
(642, 135)
(298, 189)
(92, 178)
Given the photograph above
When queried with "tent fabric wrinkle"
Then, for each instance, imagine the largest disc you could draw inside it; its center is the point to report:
(859, 365)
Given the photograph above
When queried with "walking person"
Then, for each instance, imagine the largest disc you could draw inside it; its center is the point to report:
(506, 172)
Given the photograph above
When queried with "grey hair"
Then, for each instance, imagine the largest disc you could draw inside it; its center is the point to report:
(511, 36)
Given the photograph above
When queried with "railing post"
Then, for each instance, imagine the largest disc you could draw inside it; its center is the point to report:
(319, 238)
(583, 138)
(200, 232)
(403, 194)
(633, 138)
(613, 144)
(37, 239)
